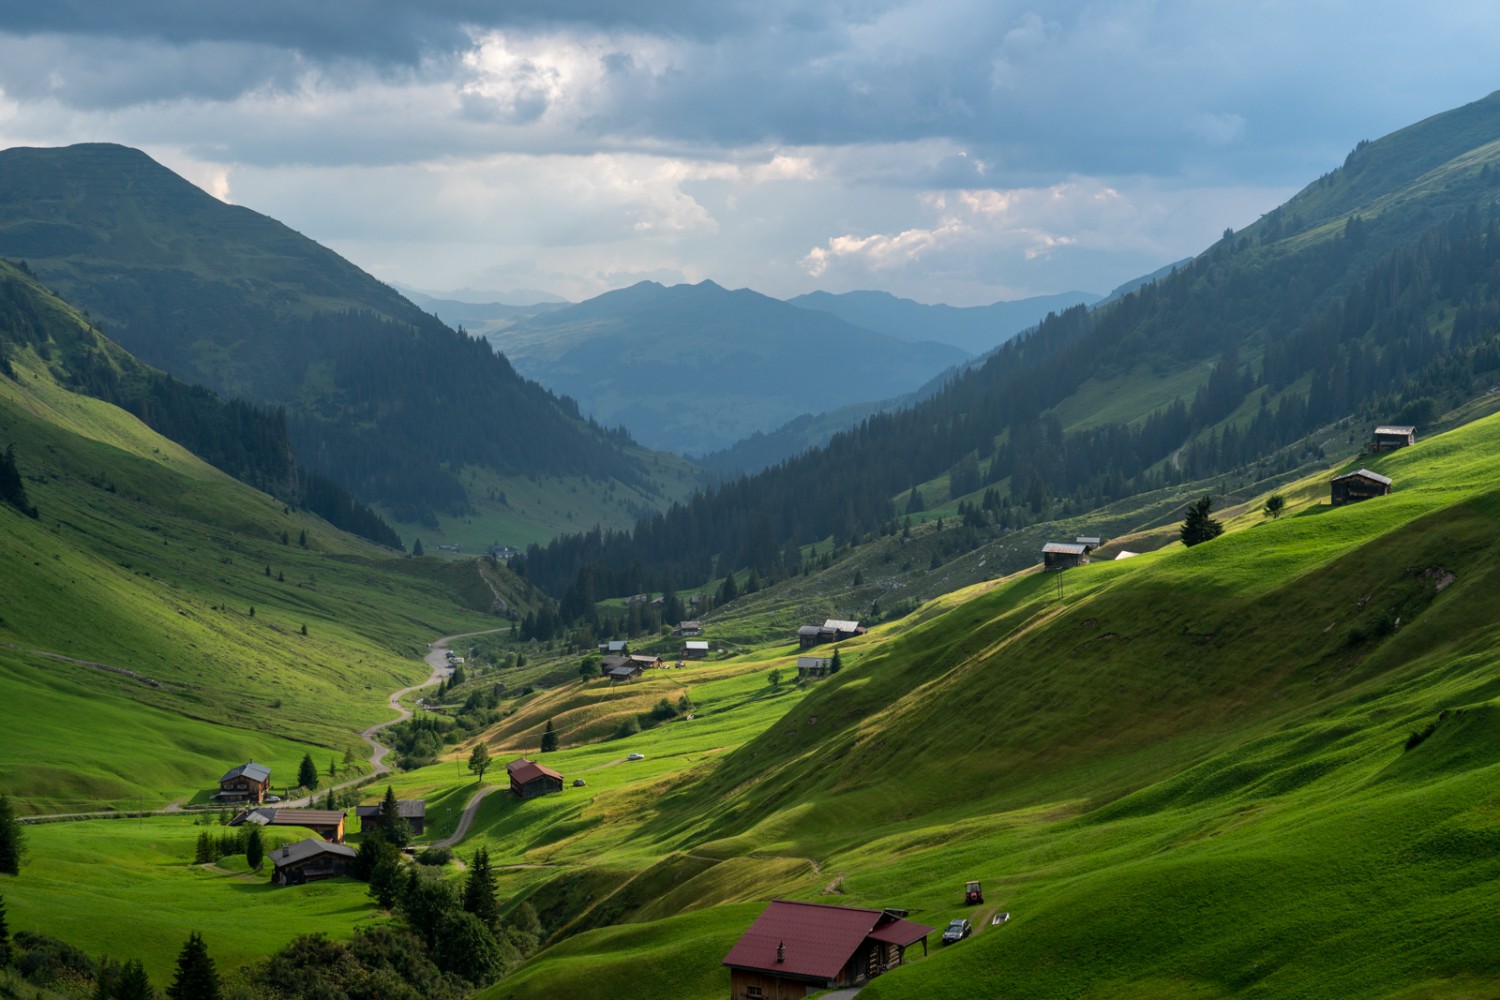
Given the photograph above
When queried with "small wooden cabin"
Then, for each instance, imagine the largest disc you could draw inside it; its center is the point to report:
(1063, 555)
(1392, 436)
(310, 860)
(528, 779)
(248, 782)
(813, 666)
(688, 629)
(1352, 487)
(615, 647)
(695, 649)
(326, 823)
(794, 949)
(414, 811)
(646, 662)
(809, 636)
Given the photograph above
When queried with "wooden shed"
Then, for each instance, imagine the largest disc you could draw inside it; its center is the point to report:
(795, 948)
(813, 666)
(1389, 437)
(310, 860)
(1353, 487)
(326, 823)
(528, 779)
(695, 649)
(414, 811)
(1062, 555)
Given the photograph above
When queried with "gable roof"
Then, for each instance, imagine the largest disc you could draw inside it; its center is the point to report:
(644, 658)
(1396, 429)
(405, 808)
(813, 662)
(302, 850)
(1090, 540)
(817, 939)
(1063, 548)
(306, 817)
(839, 625)
(809, 630)
(611, 662)
(251, 770)
(696, 644)
(1364, 474)
(524, 772)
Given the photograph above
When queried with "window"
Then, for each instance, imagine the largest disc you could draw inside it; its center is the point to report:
(754, 993)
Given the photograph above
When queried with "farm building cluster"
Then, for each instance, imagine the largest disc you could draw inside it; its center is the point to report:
(832, 630)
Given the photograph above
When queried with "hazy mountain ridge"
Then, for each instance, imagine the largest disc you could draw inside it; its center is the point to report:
(976, 329)
(693, 368)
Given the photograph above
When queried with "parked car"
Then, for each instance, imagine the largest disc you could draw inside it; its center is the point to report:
(273, 798)
(635, 756)
(957, 930)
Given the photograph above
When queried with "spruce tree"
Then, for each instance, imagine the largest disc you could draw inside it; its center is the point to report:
(393, 827)
(255, 849)
(1197, 526)
(12, 489)
(479, 890)
(133, 983)
(307, 773)
(416, 548)
(12, 845)
(4, 937)
(196, 977)
(549, 738)
(837, 664)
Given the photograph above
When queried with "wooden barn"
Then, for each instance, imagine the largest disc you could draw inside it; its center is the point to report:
(309, 861)
(794, 949)
(646, 661)
(695, 649)
(1062, 555)
(528, 779)
(688, 629)
(1392, 436)
(414, 811)
(247, 783)
(1352, 487)
(326, 823)
(809, 636)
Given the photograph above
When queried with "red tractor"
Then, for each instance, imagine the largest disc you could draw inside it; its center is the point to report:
(973, 895)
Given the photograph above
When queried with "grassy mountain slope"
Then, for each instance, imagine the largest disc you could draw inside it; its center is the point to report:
(695, 368)
(154, 587)
(1191, 775)
(381, 397)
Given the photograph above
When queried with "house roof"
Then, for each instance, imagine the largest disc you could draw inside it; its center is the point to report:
(687, 625)
(643, 658)
(699, 644)
(302, 850)
(840, 625)
(524, 772)
(1396, 429)
(306, 817)
(1063, 548)
(816, 939)
(610, 662)
(251, 770)
(615, 645)
(625, 670)
(812, 661)
(1090, 540)
(809, 630)
(405, 808)
(1364, 474)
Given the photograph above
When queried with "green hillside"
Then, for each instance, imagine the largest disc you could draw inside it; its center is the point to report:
(152, 586)
(1194, 774)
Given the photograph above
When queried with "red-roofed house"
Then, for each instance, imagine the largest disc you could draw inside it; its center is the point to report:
(528, 779)
(794, 949)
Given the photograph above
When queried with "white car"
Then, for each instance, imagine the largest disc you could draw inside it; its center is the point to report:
(635, 756)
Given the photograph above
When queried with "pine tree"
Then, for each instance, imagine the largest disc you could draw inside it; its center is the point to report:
(4, 937)
(393, 826)
(196, 977)
(416, 548)
(307, 773)
(204, 852)
(12, 843)
(12, 489)
(133, 983)
(837, 663)
(479, 890)
(1197, 526)
(549, 738)
(255, 848)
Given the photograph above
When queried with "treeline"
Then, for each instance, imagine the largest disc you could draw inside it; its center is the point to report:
(1358, 328)
(246, 441)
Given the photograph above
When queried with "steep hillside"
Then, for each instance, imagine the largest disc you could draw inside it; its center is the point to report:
(159, 618)
(1259, 766)
(976, 329)
(694, 368)
(380, 396)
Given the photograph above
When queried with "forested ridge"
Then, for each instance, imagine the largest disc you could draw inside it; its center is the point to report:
(1290, 339)
(246, 441)
(381, 398)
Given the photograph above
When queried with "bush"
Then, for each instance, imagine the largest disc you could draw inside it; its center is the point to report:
(435, 856)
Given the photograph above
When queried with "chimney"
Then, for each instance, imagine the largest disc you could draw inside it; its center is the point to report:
(780, 952)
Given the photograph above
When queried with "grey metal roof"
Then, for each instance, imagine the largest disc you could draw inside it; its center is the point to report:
(812, 662)
(1089, 540)
(701, 644)
(1364, 474)
(839, 625)
(1396, 429)
(251, 770)
(1063, 548)
(809, 630)
(302, 850)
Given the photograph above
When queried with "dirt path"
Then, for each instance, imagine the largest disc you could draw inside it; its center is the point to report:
(466, 820)
(437, 660)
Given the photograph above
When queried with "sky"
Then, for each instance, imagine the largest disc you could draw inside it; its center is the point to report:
(958, 151)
